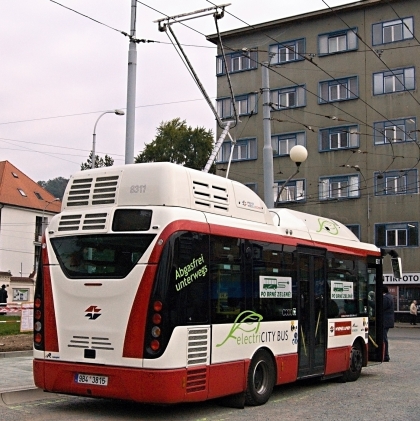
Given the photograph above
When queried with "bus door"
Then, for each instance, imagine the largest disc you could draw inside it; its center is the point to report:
(311, 312)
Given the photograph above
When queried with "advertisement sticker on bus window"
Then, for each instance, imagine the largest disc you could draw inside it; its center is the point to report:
(342, 290)
(196, 269)
(275, 287)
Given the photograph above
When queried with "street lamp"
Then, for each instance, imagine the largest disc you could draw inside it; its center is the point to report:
(43, 211)
(117, 112)
(298, 154)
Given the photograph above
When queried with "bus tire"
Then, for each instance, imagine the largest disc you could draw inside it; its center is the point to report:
(356, 363)
(261, 379)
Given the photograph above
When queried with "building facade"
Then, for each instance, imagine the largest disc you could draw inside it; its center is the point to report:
(342, 83)
(24, 205)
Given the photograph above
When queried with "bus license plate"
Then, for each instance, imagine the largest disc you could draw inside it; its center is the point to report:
(91, 379)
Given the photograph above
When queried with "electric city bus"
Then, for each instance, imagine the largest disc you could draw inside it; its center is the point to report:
(163, 284)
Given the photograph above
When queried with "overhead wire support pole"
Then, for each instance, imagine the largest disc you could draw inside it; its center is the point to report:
(268, 148)
(131, 88)
(164, 24)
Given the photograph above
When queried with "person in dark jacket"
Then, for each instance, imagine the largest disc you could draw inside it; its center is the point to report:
(388, 309)
(3, 294)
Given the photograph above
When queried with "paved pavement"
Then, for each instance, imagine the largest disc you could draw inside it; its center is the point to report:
(16, 371)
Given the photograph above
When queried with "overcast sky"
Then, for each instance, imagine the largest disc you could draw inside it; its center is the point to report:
(59, 71)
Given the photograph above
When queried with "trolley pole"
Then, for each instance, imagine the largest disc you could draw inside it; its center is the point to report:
(131, 89)
(268, 149)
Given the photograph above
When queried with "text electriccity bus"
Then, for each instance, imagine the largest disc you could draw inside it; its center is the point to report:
(162, 284)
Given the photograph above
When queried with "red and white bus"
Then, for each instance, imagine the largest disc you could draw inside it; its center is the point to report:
(163, 284)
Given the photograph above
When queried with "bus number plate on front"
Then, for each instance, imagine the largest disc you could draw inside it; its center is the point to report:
(91, 379)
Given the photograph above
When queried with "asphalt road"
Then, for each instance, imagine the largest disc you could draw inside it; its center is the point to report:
(388, 391)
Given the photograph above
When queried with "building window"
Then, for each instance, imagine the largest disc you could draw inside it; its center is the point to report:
(237, 62)
(282, 143)
(393, 81)
(244, 149)
(396, 182)
(252, 186)
(343, 137)
(292, 97)
(22, 192)
(339, 187)
(405, 234)
(355, 229)
(245, 105)
(338, 90)
(337, 42)
(401, 130)
(392, 31)
(293, 191)
(287, 51)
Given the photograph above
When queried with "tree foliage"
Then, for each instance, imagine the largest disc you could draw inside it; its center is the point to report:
(100, 162)
(56, 186)
(178, 143)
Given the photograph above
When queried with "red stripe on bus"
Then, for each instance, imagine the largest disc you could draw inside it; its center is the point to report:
(50, 323)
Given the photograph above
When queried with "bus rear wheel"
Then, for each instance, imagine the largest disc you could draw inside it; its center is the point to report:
(261, 379)
(356, 363)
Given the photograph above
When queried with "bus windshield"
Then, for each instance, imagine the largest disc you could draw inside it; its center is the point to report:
(100, 256)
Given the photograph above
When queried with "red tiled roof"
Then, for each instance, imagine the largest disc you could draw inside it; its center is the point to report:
(14, 181)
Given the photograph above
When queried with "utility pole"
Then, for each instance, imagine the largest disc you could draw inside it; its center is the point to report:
(268, 149)
(131, 89)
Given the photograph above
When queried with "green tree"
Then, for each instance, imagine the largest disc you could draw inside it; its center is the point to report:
(178, 143)
(56, 186)
(100, 162)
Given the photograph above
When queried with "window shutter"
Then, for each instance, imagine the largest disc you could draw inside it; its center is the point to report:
(377, 34)
(323, 44)
(300, 192)
(274, 54)
(323, 188)
(407, 28)
(300, 48)
(353, 88)
(409, 78)
(354, 137)
(410, 126)
(252, 148)
(300, 96)
(300, 139)
(378, 83)
(352, 39)
(380, 185)
(323, 92)
(354, 186)
(324, 140)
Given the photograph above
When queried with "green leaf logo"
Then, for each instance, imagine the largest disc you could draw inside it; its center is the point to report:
(247, 321)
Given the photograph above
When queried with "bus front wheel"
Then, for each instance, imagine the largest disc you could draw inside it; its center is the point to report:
(356, 363)
(261, 379)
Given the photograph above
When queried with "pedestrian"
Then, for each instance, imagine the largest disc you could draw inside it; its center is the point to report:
(388, 311)
(3, 294)
(413, 313)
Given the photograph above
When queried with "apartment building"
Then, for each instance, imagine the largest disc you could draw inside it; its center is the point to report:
(25, 209)
(342, 83)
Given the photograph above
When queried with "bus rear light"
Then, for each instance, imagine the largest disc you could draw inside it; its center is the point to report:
(37, 303)
(157, 306)
(156, 331)
(157, 318)
(155, 345)
(37, 314)
(37, 326)
(38, 338)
